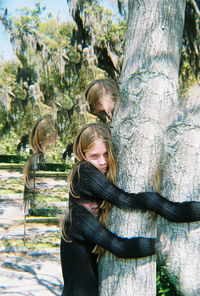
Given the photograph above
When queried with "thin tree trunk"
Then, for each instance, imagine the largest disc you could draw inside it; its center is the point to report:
(149, 83)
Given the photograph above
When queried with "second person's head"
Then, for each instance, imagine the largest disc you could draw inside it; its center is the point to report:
(101, 97)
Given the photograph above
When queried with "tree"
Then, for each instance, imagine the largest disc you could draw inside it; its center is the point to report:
(99, 40)
(149, 82)
(181, 181)
(100, 36)
(147, 112)
(148, 109)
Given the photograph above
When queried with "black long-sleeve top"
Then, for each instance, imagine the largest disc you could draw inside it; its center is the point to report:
(79, 264)
(85, 231)
(93, 184)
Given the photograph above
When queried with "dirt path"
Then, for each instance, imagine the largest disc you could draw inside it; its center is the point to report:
(31, 273)
(24, 271)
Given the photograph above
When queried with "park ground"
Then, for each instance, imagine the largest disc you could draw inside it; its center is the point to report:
(30, 268)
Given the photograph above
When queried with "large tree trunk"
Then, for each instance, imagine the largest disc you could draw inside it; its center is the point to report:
(149, 83)
(181, 180)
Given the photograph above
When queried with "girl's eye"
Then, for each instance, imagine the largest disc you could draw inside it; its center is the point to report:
(94, 156)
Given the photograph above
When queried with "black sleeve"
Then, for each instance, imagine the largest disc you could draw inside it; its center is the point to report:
(93, 182)
(178, 212)
(87, 226)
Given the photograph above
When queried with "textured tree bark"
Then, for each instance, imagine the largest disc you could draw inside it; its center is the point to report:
(181, 181)
(149, 100)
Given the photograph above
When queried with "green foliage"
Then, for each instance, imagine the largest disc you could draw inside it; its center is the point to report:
(119, 29)
(99, 20)
(55, 167)
(43, 77)
(51, 72)
(164, 285)
(7, 158)
(8, 143)
(190, 63)
(102, 38)
(9, 88)
(45, 212)
(30, 18)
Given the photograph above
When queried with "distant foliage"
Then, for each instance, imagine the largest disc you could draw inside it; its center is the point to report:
(56, 60)
(190, 62)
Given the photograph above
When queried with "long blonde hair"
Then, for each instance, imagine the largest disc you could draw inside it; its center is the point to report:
(43, 134)
(97, 89)
(83, 142)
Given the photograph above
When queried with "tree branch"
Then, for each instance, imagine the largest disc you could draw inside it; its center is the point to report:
(195, 7)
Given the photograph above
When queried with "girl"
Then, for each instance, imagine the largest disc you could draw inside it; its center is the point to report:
(92, 191)
(102, 97)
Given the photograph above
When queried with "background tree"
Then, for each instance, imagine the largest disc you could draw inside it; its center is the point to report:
(44, 79)
(53, 68)
(43, 54)
(98, 37)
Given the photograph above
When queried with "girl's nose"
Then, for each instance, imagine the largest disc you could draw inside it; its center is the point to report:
(102, 160)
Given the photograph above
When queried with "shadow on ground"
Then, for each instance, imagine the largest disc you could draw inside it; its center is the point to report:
(30, 275)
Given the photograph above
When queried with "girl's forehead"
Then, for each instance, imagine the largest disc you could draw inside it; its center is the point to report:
(97, 144)
(98, 141)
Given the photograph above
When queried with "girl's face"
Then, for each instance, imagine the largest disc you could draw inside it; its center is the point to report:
(98, 156)
(104, 108)
(92, 207)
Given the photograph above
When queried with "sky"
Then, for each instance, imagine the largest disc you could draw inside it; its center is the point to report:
(58, 8)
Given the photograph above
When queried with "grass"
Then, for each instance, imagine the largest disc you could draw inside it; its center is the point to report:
(44, 241)
(50, 189)
(11, 185)
(8, 191)
(53, 193)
